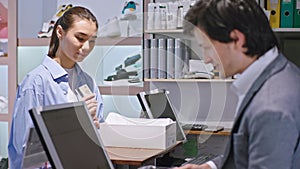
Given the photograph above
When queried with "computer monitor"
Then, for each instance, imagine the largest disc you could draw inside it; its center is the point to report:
(69, 137)
(156, 104)
(34, 155)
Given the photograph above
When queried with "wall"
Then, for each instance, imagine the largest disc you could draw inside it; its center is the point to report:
(212, 103)
(36, 12)
(32, 14)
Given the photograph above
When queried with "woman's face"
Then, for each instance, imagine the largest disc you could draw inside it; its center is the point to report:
(77, 42)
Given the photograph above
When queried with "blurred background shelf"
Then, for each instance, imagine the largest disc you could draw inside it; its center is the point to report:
(4, 61)
(164, 31)
(286, 30)
(188, 80)
(101, 41)
(121, 90)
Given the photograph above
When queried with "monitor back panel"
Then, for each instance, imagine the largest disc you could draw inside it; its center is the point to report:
(69, 130)
(157, 105)
(34, 155)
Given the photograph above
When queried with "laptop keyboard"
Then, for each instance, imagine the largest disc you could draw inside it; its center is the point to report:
(194, 126)
(200, 159)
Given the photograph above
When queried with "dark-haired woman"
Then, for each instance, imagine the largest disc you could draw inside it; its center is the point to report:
(54, 81)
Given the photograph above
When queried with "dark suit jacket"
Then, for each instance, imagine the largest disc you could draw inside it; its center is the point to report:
(266, 131)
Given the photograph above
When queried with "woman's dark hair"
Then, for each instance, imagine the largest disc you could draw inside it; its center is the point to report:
(217, 18)
(66, 21)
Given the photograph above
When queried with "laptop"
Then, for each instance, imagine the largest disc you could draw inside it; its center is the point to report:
(156, 104)
(69, 137)
(34, 155)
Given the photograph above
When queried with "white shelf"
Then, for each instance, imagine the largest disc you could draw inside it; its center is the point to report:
(189, 80)
(164, 31)
(102, 41)
(181, 30)
(3, 60)
(3, 40)
(4, 117)
(121, 90)
(286, 30)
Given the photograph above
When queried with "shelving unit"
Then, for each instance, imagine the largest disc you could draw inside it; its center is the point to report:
(161, 31)
(4, 60)
(183, 89)
(15, 41)
(199, 99)
(189, 80)
(122, 90)
(4, 118)
(11, 62)
(28, 38)
(281, 33)
(287, 30)
(100, 41)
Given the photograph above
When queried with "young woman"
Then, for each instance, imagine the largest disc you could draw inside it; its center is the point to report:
(54, 81)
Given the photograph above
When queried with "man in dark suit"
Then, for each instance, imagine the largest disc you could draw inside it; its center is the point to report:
(236, 38)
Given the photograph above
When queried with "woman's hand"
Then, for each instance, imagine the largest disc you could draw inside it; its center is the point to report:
(92, 105)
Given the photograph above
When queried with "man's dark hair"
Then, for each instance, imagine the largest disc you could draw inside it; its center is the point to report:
(217, 18)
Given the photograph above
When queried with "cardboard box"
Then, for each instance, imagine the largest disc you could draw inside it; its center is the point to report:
(120, 131)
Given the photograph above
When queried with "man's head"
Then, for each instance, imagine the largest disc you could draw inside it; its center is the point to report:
(238, 30)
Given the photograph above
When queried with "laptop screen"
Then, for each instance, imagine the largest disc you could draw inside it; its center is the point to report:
(69, 137)
(156, 104)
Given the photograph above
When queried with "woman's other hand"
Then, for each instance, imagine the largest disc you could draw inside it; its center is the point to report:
(91, 104)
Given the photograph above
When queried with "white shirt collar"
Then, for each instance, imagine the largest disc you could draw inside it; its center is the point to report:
(241, 86)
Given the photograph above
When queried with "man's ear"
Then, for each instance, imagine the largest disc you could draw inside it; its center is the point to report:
(239, 38)
(59, 32)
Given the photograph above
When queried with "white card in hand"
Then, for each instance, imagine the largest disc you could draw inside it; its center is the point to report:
(84, 90)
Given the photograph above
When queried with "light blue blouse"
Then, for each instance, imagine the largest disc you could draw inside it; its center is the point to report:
(46, 85)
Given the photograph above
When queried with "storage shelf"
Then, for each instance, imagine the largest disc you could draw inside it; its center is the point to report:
(121, 90)
(33, 42)
(3, 60)
(4, 117)
(291, 33)
(189, 80)
(102, 41)
(120, 41)
(286, 30)
(3, 40)
(165, 31)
